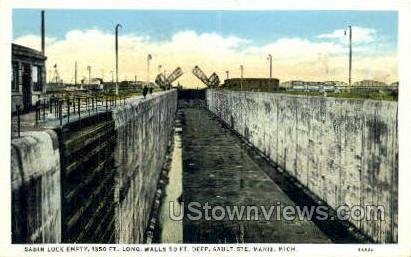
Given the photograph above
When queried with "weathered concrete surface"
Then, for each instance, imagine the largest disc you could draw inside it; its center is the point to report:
(88, 179)
(35, 181)
(344, 150)
(110, 163)
(143, 128)
(218, 170)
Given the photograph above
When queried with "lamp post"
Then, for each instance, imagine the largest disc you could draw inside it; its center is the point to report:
(350, 53)
(116, 45)
(149, 57)
(270, 58)
(241, 79)
(75, 74)
(89, 74)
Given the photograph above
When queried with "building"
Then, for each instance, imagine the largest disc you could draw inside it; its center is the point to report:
(336, 83)
(28, 77)
(288, 84)
(252, 84)
(313, 84)
(369, 83)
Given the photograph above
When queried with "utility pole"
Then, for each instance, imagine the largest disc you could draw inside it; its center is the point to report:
(43, 35)
(43, 49)
(75, 73)
(270, 58)
(116, 44)
(89, 74)
(241, 80)
(350, 54)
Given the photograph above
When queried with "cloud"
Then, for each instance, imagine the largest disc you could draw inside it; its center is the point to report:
(360, 35)
(296, 48)
(293, 58)
(33, 41)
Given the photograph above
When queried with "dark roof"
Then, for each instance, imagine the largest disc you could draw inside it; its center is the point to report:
(23, 51)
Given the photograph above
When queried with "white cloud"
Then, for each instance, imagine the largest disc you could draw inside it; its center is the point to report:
(297, 48)
(293, 58)
(359, 35)
(33, 41)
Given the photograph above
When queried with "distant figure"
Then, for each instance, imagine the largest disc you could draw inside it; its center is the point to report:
(150, 90)
(145, 90)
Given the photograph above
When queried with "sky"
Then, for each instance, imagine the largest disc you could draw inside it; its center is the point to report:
(305, 45)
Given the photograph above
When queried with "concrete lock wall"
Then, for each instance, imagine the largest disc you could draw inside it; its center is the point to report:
(344, 150)
(143, 133)
(103, 189)
(35, 182)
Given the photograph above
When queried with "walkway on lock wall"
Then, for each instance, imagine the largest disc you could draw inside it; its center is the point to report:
(217, 169)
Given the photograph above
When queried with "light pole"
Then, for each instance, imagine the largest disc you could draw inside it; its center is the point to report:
(241, 80)
(149, 57)
(350, 54)
(43, 33)
(270, 58)
(89, 74)
(116, 43)
(75, 74)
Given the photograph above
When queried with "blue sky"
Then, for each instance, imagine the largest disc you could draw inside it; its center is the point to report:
(259, 26)
(313, 41)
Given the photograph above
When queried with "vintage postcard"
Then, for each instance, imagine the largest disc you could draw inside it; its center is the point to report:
(187, 128)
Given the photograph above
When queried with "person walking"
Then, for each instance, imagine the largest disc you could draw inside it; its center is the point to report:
(145, 91)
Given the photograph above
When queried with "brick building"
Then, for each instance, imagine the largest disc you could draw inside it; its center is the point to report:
(28, 77)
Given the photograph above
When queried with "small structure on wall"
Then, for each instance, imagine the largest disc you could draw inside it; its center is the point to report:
(28, 77)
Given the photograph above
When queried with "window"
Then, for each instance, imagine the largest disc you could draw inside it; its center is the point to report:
(36, 77)
(15, 77)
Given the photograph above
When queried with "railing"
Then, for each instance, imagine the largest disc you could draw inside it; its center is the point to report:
(64, 108)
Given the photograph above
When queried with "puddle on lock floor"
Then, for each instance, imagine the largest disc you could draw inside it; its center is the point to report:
(171, 231)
